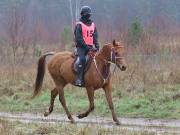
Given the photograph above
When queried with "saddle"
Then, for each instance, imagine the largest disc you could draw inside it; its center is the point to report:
(89, 58)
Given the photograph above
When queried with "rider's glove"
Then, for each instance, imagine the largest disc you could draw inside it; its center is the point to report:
(88, 47)
(94, 49)
(97, 47)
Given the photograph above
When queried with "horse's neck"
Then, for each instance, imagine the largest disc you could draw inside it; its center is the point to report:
(102, 55)
(102, 63)
(102, 66)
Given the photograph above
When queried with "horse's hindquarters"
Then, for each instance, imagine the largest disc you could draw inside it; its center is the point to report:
(59, 66)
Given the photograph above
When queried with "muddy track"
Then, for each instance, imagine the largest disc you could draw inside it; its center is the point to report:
(135, 124)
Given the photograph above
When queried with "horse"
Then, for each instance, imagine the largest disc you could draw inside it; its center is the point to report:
(97, 76)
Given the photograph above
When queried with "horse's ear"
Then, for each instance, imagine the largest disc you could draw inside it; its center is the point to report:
(114, 42)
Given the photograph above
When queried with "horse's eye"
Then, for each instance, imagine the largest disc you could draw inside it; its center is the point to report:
(116, 53)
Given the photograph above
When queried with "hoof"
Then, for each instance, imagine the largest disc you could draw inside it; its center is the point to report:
(80, 116)
(118, 123)
(46, 114)
(72, 121)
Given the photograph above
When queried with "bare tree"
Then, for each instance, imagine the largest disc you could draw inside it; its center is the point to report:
(16, 36)
(71, 13)
(75, 10)
(78, 2)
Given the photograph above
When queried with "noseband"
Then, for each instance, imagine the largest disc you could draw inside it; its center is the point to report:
(114, 56)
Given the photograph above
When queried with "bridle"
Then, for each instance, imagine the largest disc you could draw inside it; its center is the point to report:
(114, 56)
(112, 60)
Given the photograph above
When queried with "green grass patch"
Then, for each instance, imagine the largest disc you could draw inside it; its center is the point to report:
(153, 105)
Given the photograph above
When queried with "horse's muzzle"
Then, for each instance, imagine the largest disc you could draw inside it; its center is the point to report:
(122, 67)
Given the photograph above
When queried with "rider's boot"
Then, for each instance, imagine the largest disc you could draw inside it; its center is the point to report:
(80, 76)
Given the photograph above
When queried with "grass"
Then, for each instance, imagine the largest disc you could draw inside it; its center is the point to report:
(141, 91)
(154, 105)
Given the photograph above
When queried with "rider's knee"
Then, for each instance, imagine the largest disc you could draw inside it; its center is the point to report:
(83, 60)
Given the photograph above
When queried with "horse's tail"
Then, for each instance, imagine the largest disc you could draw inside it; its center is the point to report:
(40, 73)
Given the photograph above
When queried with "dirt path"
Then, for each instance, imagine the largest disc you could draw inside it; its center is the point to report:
(135, 124)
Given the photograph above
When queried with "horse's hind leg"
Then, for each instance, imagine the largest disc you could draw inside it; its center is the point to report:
(63, 102)
(90, 93)
(54, 93)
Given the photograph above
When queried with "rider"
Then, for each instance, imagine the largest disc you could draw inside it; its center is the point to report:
(86, 37)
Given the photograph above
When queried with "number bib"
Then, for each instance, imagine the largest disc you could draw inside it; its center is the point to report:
(87, 33)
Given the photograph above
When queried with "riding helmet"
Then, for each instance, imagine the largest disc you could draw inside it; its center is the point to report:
(86, 11)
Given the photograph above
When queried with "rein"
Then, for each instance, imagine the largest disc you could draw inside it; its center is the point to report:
(104, 79)
(111, 61)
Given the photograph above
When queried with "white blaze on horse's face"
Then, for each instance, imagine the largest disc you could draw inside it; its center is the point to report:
(119, 60)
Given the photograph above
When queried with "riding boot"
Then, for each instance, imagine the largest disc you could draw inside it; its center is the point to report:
(80, 76)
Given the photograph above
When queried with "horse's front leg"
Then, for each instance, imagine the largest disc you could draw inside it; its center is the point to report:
(108, 91)
(54, 93)
(90, 93)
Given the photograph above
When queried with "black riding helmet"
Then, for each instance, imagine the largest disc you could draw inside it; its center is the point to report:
(86, 11)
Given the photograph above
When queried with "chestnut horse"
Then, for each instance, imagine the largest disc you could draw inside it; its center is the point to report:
(97, 76)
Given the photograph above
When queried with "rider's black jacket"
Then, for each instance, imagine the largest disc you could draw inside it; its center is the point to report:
(79, 38)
